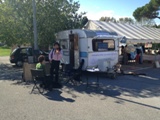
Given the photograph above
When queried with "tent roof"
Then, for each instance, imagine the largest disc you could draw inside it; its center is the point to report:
(132, 32)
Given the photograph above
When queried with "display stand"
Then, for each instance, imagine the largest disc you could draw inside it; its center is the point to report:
(27, 71)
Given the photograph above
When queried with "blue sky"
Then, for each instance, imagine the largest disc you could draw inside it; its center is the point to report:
(110, 8)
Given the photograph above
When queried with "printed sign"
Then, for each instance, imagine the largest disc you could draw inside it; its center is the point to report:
(102, 46)
(94, 57)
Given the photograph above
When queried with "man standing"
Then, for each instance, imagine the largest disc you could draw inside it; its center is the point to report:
(54, 57)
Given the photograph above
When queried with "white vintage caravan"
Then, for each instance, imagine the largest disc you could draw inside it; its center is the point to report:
(97, 48)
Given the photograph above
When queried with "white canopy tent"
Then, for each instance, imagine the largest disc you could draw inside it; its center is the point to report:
(133, 33)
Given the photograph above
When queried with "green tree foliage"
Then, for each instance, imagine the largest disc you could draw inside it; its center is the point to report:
(150, 11)
(126, 20)
(146, 22)
(108, 19)
(156, 26)
(16, 20)
(84, 20)
(7, 24)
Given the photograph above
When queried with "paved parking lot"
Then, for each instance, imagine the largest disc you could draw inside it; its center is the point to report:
(4, 60)
(126, 98)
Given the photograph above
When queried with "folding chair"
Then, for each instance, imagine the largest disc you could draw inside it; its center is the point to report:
(77, 73)
(73, 75)
(38, 76)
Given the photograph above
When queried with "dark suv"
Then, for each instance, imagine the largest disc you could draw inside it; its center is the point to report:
(20, 54)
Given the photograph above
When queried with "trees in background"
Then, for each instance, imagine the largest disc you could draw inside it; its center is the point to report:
(144, 15)
(156, 26)
(143, 22)
(149, 11)
(16, 20)
(108, 19)
(126, 20)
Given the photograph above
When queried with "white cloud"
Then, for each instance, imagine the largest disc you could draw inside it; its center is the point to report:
(98, 15)
(105, 13)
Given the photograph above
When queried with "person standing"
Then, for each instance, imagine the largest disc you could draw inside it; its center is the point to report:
(125, 56)
(54, 57)
(122, 50)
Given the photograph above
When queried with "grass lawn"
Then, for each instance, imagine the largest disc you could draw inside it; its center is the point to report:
(5, 51)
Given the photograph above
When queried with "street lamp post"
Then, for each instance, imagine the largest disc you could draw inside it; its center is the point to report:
(35, 25)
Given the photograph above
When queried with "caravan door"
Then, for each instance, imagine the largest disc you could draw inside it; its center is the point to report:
(74, 50)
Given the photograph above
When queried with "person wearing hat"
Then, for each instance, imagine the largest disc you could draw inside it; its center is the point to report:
(54, 57)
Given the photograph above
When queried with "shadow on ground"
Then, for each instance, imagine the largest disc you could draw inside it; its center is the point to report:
(56, 96)
(10, 72)
(139, 86)
(127, 85)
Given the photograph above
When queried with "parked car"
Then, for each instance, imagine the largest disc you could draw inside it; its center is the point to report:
(20, 54)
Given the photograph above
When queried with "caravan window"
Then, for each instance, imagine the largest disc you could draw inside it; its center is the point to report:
(64, 44)
(103, 45)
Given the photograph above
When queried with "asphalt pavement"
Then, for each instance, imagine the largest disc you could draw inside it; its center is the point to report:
(128, 97)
